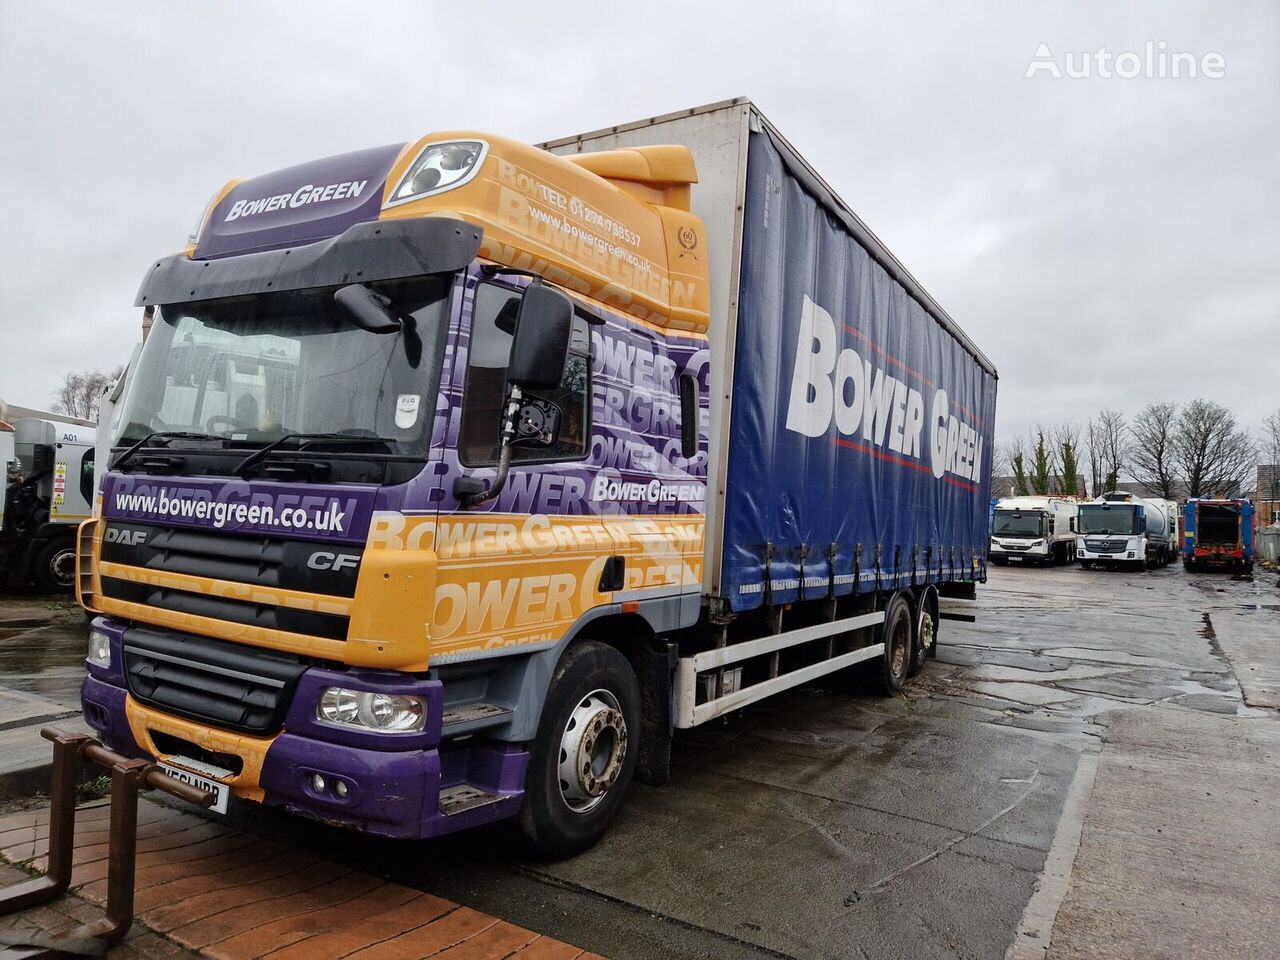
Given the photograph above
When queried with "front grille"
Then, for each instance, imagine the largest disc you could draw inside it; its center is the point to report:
(1107, 546)
(224, 684)
(1017, 546)
(270, 561)
(331, 626)
(304, 565)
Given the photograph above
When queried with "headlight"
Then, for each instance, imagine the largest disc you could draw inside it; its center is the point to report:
(383, 712)
(440, 167)
(99, 648)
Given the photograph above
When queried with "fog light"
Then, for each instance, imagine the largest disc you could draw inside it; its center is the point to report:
(99, 648)
(381, 712)
(317, 783)
(340, 788)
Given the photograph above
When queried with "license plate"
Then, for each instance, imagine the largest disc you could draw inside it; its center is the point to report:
(221, 792)
(1016, 559)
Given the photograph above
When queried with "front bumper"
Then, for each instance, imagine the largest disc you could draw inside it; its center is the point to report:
(392, 783)
(1129, 553)
(1040, 552)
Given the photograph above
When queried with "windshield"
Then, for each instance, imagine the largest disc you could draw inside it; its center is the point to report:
(1107, 518)
(1015, 523)
(255, 369)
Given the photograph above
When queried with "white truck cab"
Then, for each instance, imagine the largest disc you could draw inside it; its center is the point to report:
(1033, 530)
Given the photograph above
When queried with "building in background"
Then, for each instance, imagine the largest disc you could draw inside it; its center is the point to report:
(1267, 495)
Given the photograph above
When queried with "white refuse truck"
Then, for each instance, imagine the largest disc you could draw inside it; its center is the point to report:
(1121, 529)
(48, 491)
(1034, 530)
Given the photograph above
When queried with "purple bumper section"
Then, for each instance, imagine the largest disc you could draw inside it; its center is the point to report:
(392, 782)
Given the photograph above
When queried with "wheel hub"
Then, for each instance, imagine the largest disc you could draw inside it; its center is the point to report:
(592, 750)
(62, 567)
(926, 631)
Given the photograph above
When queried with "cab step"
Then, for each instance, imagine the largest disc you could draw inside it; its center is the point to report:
(454, 800)
(470, 717)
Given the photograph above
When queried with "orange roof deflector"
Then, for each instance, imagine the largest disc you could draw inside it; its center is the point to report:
(667, 169)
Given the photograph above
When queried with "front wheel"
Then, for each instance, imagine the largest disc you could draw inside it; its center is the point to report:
(54, 569)
(584, 756)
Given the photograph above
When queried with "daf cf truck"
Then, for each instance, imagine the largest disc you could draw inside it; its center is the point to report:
(1034, 529)
(456, 475)
(48, 463)
(1123, 530)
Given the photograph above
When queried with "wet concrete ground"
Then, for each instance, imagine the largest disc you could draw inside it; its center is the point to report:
(833, 824)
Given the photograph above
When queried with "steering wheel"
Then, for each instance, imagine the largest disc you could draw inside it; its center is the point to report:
(220, 421)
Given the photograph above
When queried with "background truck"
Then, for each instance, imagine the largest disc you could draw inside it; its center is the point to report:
(1036, 529)
(48, 461)
(1218, 533)
(454, 476)
(1121, 529)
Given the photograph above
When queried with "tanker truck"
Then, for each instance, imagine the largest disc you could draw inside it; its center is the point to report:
(1034, 529)
(1121, 529)
(455, 475)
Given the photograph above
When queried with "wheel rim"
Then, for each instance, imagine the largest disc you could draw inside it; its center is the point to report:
(901, 632)
(593, 747)
(926, 630)
(62, 567)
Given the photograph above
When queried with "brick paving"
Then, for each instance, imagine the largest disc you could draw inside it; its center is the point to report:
(207, 890)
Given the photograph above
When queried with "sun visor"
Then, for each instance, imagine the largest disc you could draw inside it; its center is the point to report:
(364, 253)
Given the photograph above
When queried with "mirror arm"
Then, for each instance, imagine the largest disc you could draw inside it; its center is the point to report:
(504, 456)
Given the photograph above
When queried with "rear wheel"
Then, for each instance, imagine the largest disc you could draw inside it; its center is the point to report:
(926, 632)
(896, 635)
(55, 566)
(584, 756)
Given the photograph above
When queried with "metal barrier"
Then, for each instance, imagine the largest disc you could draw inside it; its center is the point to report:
(1268, 544)
(128, 778)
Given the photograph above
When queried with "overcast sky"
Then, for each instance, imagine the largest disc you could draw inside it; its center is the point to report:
(1107, 242)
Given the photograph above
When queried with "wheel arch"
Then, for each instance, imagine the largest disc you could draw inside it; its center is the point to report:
(523, 683)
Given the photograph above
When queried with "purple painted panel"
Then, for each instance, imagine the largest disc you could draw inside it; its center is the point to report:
(634, 464)
(103, 706)
(389, 794)
(297, 205)
(338, 512)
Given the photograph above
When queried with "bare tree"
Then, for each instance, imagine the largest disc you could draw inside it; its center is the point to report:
(1151, 458)
(1211, 451)
(1107, 441)
(1012, 458)
(1269, 474)
(80, 393)
(1270, 453)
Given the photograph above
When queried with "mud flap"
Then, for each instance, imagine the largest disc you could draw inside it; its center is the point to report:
(655, 665)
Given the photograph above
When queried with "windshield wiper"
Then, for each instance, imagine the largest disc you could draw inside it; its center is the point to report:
(255, 458)
(160, 435)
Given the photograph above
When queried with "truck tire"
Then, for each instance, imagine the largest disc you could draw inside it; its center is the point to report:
(897, 635)
(925, 643)
(54, 568)
(584, 756)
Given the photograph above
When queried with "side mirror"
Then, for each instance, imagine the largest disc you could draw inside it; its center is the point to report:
(541, 339)
(1072, 521)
